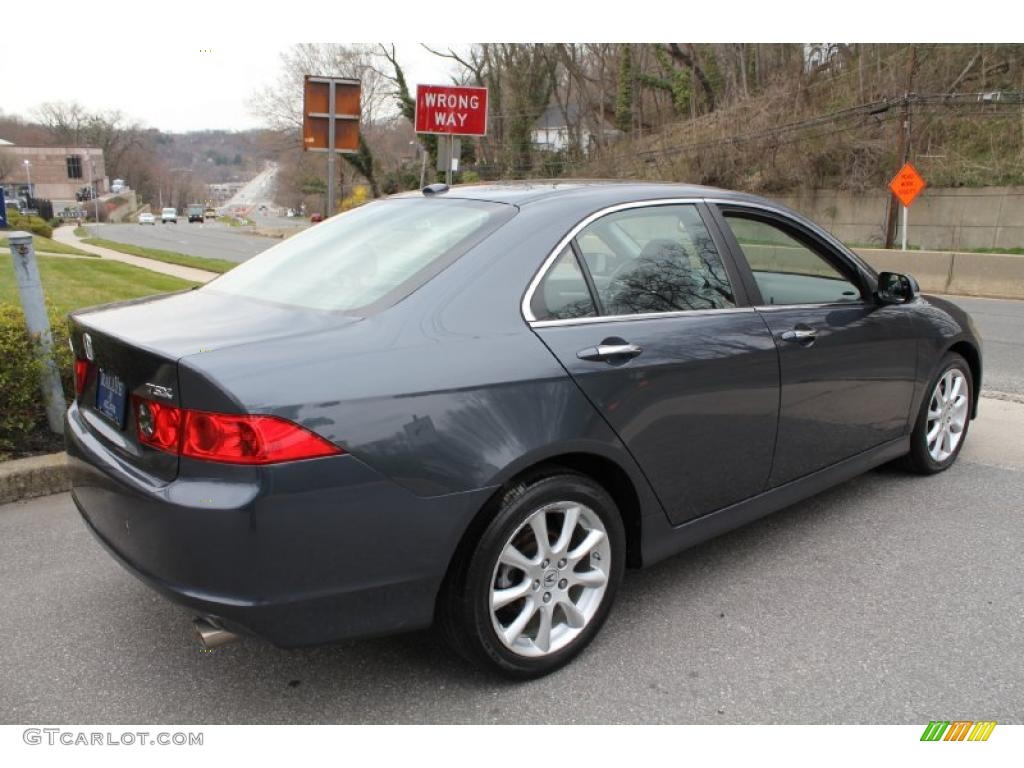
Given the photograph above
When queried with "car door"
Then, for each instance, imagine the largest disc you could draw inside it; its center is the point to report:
(847, 362)
(648, 317)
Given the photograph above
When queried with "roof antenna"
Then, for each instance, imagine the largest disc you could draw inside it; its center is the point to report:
(434, 189)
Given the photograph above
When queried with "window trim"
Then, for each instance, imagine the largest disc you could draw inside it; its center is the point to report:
(714, 231)
(850, 267)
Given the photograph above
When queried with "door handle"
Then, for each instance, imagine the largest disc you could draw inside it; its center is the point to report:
(799, 334)
(608, 352)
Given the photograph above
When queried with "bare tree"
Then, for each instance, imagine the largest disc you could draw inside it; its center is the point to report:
(280, 103)
(71, 124)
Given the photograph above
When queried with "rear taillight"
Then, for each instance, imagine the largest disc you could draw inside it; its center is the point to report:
(81, 375)
(225, 437)
(158, 425)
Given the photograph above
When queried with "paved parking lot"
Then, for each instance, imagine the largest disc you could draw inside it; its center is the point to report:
(892, 598)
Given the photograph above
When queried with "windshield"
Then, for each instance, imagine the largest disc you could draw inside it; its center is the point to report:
(378, 253)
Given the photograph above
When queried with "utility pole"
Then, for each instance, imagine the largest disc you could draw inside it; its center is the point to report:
(902, 150)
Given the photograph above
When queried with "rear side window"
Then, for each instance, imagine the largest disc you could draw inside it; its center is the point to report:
(366, 258)
(563, 293)
(656, 259)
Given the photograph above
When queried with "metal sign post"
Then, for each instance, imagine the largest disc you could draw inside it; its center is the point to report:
(330, 150)
(451, 157)
(906, 210)
(30, 288)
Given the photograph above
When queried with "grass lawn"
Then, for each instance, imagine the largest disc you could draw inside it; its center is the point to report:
(45, 244)
(171, 257)
(232, 221)
(71, 284)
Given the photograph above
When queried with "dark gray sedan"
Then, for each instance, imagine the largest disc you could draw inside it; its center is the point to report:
(478, 406)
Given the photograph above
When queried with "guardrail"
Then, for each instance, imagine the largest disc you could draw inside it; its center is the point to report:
(995, 275)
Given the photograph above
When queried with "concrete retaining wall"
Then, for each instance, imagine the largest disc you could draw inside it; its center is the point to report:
(995, 275)
(945, 219)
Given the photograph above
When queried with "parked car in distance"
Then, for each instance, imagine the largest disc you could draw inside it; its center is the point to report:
(195, 213)
(147, 218)
(169, 215)
(480, 405)
(210, 213)
(316, 218)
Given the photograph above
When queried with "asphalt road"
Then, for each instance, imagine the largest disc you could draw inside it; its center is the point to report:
(1001, 324)
(211, 239)
(890, 599)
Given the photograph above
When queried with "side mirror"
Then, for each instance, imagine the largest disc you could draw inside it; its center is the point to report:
(894, 288)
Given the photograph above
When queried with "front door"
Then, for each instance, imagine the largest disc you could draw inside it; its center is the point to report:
(847, 363)
(642, 311)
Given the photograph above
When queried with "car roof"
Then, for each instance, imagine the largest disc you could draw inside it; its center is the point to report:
(521, 193)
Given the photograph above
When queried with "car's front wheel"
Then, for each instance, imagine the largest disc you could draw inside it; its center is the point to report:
(539, 583)
(944, 418)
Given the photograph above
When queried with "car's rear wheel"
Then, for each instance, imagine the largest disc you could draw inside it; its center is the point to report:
(541, 579)
(944, 418)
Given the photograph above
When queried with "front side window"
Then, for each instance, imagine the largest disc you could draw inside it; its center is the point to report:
(381, 251)
(563, 293)
(74, 167)
(787, 271)
(655, 259)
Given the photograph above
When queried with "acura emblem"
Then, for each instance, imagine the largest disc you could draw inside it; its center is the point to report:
(87, 343)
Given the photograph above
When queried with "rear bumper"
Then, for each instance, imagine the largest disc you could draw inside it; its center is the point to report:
(299, 553)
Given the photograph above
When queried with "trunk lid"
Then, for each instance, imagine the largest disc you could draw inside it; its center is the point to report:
(134, 348)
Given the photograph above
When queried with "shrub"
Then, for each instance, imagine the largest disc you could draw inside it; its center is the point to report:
(22, 410)
(359, 196)
(33, 224)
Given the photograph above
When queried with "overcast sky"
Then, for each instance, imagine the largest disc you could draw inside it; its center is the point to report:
(141, 59)
(199, 90)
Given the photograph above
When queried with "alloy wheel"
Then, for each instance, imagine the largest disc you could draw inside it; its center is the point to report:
(550, 579)
(947, 415)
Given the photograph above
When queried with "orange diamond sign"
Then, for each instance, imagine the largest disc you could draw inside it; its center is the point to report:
(907, 185)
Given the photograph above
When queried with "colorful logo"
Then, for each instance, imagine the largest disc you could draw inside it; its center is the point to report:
(958, 730)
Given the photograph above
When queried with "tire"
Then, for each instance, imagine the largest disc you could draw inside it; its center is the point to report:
(550, 587)
(927, 457)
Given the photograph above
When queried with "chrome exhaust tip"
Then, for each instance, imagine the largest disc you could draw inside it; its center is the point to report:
(212, 636)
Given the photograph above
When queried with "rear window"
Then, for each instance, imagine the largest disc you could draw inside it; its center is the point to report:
(366, 258)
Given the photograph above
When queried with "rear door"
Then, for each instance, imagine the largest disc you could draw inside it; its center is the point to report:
(647, 316)
(847, 362)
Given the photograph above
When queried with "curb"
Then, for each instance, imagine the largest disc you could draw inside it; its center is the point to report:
(35, 476)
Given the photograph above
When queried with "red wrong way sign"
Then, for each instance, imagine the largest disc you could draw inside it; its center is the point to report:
(453, 109)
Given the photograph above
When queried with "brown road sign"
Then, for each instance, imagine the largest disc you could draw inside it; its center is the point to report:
(907, 185)
(316, 114)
